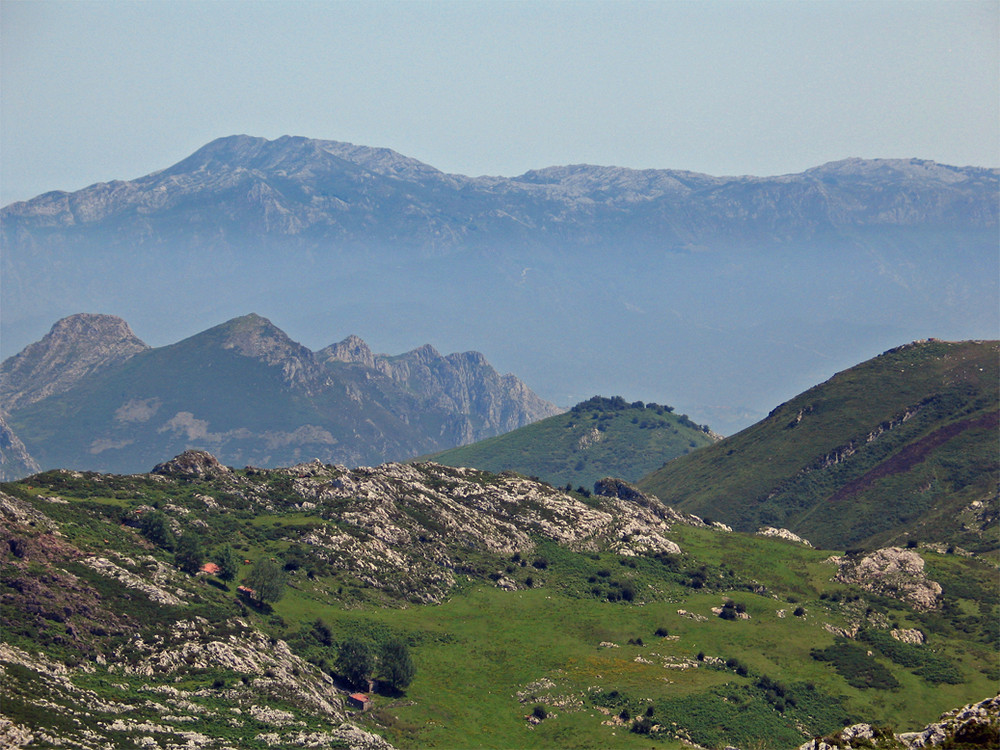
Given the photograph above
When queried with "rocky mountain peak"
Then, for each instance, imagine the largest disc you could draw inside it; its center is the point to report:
(258, 338)
(352, 349)
(75, 347)
(192, 463)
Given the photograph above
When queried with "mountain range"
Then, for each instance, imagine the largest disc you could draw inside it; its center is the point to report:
(91, 395)
(674, 286)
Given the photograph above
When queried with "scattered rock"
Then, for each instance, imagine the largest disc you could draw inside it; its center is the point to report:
(192, 463)
(894, 572)
(783, 534)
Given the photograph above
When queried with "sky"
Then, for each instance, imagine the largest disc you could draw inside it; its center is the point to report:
(96, 91)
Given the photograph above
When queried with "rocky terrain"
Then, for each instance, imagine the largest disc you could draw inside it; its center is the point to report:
(15, 461)
(75, 348)
(604, 617)
(975, 725)
(91, 396)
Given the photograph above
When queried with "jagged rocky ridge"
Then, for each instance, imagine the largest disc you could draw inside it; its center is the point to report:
(92, 396)
(972, 726)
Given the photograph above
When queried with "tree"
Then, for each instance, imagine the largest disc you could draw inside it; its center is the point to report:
(154, 527)
(355, 662)
(189, 553)
(267, 579)
(396, 667)
(228, 562)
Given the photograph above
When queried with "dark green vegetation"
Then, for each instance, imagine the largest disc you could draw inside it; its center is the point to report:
(548, 619)
(251, 395)
(901, 447)
(596, 438)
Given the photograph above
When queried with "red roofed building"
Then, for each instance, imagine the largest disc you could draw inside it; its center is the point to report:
(211, 568)
(359, 700)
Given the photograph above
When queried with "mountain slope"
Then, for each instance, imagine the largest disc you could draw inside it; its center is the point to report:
(903, 446)
(15, 461)
(247, 391)
(620, 619)
(618, 273)
(76, 347)
(597, 438)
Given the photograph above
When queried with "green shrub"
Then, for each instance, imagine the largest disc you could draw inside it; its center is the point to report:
(856, 666)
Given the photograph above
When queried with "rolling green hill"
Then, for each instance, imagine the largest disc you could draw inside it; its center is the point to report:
(597, 438)
(535, 618)
(901, 447)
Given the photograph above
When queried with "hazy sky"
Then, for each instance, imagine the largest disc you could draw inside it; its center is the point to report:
(94, 91)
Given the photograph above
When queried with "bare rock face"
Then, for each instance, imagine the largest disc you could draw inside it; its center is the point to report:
(76, 347)
(783, 534)
(895, 572)
(974, 725)
(192, 463)
(351, 349)
(15, 461)
(485, 402)
(258, 338)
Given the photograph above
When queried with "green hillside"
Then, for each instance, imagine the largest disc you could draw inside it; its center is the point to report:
(536, 603)
(597, 438)
(901, 447)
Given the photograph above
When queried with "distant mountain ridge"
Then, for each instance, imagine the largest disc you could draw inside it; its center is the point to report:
(91, 395)
(299, 186)
(683, 275)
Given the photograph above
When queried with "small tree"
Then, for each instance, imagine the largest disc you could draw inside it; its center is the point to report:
(189, 554)
(355, 663)
(155, 528)
(228, 562)
(267, 580)
(396, 667)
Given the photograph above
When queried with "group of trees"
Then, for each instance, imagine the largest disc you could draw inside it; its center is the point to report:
(358, 663)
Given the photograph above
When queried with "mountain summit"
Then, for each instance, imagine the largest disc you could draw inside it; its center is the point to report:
(76, 347)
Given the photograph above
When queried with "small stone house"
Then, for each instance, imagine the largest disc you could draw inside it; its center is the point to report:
(359, 701)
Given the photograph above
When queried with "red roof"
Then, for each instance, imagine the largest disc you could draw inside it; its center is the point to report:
(360, 697)
(210, 567)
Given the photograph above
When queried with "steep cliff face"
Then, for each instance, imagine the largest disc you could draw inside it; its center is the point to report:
(15, 461)
(76, 347)
(486, 402)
